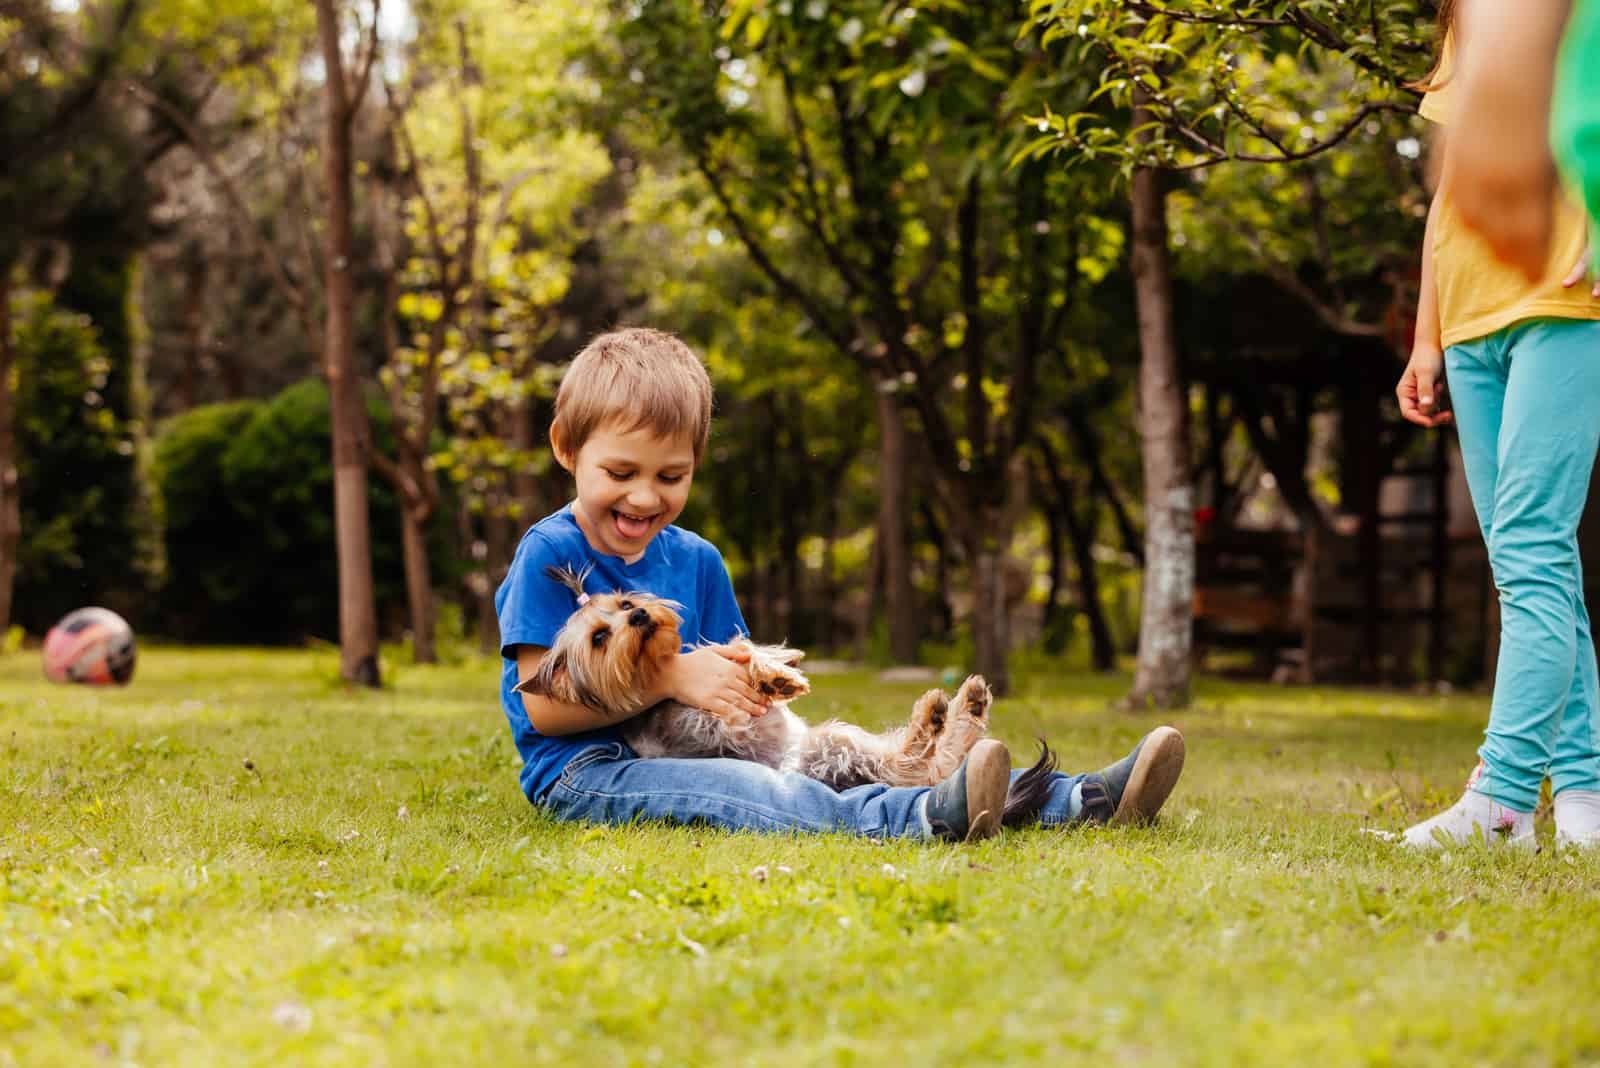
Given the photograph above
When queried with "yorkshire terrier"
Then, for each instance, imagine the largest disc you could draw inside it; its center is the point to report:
(611, 650)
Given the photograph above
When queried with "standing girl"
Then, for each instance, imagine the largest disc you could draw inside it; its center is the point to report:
(1522, 363)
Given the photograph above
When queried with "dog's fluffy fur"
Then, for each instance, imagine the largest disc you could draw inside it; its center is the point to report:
(612, 649)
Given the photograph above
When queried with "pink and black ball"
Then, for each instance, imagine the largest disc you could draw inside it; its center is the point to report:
(91, 645)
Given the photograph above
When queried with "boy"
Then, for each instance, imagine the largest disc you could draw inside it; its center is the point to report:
(631, 422)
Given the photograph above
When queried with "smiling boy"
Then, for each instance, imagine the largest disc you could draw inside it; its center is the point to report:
(631, 422)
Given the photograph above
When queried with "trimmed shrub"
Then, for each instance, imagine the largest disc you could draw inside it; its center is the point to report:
(250, 528)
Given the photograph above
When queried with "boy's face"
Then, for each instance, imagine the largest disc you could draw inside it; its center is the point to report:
(631, 484)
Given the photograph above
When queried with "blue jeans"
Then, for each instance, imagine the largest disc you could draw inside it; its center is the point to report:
(1527, 405)
(608, 783)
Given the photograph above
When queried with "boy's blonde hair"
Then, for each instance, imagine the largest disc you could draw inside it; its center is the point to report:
(640, 378)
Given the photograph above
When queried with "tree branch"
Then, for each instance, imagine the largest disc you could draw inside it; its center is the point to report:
(197, 144)
(359, 92)
(973, 336)
(807, 302)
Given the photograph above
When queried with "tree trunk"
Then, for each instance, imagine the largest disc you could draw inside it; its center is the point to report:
(828, 635)
(1166, 619)
(1102, 646)
(500, 542)
(1080, 534)
(988, 537)
(524, 483)
(419, 581)
(895, 551)
(10, 505)
(1055, 639)
(358, 616)
(1087, 445)
(941, 571)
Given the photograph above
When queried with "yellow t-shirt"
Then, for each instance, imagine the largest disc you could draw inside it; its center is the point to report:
(1478, 294)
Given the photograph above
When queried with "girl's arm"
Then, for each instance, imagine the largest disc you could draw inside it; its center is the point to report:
(1418, 391)
(1504, 179)
(1428, 331)
(714, 679)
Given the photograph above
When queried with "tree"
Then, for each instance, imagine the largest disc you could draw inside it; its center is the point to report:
(793, 417)
(358, 615)
(867, 131)
(474, 238)
(1183, 88)
(74, 168)
(267, 84)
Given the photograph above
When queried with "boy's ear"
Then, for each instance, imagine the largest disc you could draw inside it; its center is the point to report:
(563, 457)
(550, 680)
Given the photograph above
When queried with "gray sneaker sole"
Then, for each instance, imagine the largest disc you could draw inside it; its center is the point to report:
(1155, 773)
(988, 779)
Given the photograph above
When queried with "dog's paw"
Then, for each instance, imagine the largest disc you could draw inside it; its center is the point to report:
(773, 673)
(975, 696)
(781, 683)
(930, 712)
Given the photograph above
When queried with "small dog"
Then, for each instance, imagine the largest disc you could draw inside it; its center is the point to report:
(612, 648)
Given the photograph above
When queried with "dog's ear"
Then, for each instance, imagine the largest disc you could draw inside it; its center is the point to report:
(550, 679)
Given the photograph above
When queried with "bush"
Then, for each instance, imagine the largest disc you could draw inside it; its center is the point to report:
(75, 465)
(250, 527)
(208, 580)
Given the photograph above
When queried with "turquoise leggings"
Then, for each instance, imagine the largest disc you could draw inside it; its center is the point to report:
(1527, 404)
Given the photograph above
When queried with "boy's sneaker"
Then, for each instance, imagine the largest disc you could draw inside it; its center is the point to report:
(1134, 788)
(968, 805)
(1577, 819)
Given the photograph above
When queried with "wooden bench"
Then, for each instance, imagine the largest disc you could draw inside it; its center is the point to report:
(1244, 595)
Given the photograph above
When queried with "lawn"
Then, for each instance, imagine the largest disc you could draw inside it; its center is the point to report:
(237, 861)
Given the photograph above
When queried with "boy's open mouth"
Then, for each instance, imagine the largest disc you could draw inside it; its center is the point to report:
(631, 526)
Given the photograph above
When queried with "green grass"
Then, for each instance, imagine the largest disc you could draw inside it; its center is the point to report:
(237, 861)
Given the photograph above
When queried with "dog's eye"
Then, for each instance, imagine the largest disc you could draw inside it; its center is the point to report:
(599, 637)
(625, 605)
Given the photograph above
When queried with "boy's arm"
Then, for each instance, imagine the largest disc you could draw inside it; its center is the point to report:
(550, 717)
(713, 679)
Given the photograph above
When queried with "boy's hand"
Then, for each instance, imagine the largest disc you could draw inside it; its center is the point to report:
(1421, 387)
(715, 680)
(1579, 272)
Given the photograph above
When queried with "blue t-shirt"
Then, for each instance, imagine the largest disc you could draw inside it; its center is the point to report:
(677, 564)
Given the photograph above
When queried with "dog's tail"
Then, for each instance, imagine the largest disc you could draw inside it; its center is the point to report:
(1030, 790)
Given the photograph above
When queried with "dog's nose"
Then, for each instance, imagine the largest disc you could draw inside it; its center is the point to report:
(638, 617)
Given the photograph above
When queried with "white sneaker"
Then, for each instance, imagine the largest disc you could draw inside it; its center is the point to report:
(1475, 818)
(1577, 819)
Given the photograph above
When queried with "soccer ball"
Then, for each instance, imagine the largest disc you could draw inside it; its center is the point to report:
(91, 645)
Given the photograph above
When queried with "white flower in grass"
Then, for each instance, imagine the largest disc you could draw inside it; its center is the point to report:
(292, 1016)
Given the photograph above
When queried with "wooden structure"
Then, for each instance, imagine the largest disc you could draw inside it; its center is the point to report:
(1391, 585)
(1398, 599)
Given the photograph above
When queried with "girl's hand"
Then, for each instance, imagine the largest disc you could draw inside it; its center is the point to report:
(1420, 387)
(1579, 271)
(715, 680)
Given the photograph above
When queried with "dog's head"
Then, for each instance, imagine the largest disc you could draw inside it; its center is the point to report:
(609, 653)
